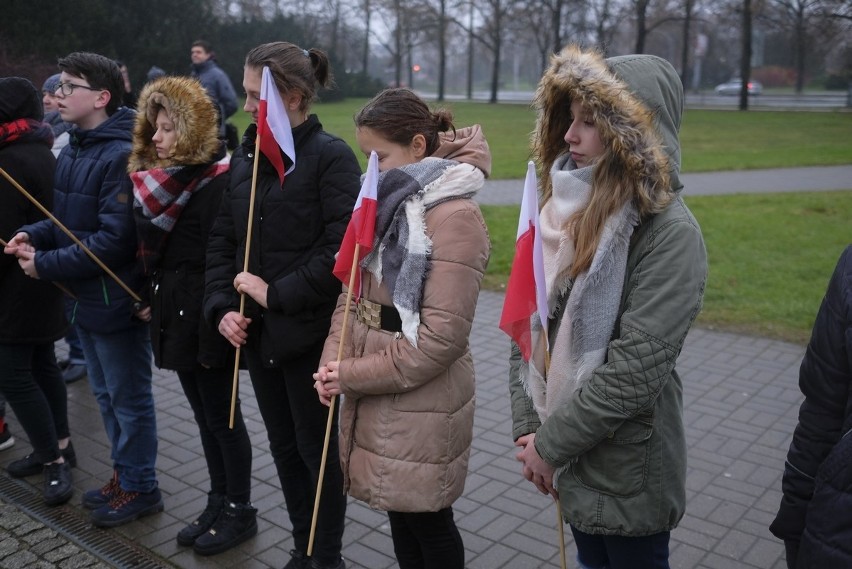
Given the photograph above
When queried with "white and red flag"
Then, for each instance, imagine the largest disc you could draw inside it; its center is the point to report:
(526, 292)
(273, 126)
(361, 229)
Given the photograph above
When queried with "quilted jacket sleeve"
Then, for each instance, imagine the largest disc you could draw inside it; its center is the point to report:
(664, 288)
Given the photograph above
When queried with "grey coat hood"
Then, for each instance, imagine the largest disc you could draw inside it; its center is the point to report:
(636, 102)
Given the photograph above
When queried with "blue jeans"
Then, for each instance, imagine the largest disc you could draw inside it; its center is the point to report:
(620, 552)
(119, 368)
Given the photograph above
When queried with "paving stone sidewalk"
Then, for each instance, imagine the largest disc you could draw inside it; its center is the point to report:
(740, 398)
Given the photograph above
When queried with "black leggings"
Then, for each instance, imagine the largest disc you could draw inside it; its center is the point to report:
(426, 540)
(227, 451)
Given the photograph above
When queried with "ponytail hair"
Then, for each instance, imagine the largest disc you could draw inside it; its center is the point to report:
(293, 68)
(398, 115)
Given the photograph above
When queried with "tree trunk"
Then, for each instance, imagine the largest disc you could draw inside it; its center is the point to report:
(442, 50)
(495, 66)
(684, 54)
(366, 57)
(745, 62)
(470, 45)
(800, 49)
(641, 25)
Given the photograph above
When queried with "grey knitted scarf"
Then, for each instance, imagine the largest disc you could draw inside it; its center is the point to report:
(400, 256)
(591, 302)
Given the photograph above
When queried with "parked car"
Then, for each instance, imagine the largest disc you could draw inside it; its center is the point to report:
(733, 87)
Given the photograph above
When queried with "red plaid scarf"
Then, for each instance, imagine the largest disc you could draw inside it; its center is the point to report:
(160, 195)
(24, 130)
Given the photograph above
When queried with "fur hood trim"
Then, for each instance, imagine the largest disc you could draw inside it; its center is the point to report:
(635, 101)
(196, 122)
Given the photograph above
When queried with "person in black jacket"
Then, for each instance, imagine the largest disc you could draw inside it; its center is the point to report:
(179, 169)
(297, 229)
(815, 516)
(31, 313)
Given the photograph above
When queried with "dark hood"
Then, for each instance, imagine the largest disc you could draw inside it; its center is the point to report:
(19, 99)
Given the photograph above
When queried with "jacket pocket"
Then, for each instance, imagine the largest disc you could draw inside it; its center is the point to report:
(618, 465)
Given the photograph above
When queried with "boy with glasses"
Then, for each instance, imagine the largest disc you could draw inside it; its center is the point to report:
(94, 199)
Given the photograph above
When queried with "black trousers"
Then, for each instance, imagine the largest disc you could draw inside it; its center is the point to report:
(32, 383)
(426, 540)
(295, 425)
(227, 451)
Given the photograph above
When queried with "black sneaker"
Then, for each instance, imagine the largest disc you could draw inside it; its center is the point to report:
(28, 465)
(125, 507)
(236, 523)
(6, 438)
(341, 564)
(215, 505)
(57, 484)
(298, 560)
(94, 499)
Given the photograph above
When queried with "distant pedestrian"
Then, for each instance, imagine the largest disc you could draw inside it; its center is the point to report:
(601, 429)
(815, 516)
(219, 87)
(31, 310)
(407, 379)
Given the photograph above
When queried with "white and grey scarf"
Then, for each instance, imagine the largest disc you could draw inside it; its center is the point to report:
(591, 308)
(400, 256)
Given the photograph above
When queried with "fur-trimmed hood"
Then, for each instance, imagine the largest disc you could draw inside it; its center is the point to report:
(196, 122)
(636, 101)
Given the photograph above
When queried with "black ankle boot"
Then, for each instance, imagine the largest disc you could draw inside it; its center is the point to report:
(236, 524)
(215, 505)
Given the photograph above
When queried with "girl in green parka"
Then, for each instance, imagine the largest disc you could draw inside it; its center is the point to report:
(601, 429)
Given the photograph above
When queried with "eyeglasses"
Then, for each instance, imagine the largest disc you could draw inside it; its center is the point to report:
(68, 88)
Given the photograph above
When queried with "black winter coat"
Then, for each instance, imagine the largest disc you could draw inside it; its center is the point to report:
(815, 516)
(31, 310)
(296, 232)
(180, 337)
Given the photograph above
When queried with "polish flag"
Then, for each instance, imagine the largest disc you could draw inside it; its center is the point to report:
(361, 229)
(273, 126)
(526, 291)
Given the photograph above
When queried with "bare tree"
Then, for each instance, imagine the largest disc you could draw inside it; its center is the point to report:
(798, 16)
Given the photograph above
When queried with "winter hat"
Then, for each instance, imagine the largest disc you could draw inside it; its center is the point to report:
(50, 84)
(19, 100)
(155, 73)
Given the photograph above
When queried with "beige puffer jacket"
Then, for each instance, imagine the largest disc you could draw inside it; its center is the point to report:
(406, 417)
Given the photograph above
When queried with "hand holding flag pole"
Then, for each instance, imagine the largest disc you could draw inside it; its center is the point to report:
(56, 284)
(274, 135)
(73, 237)
(357, 242)
(526, 294)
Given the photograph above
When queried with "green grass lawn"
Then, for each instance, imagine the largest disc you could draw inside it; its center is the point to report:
(770, 257)
(711, 140)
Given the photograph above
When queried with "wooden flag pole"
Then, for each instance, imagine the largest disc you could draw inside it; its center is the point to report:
(328, 423)
(559, 523)
(236, 381)
(56, 284)
(73, 237)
